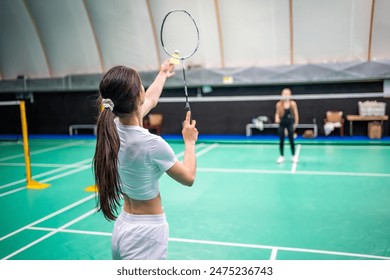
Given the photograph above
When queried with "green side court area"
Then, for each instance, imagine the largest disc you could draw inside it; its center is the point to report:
(333, 205)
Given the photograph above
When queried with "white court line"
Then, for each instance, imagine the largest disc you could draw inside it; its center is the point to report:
(50, 234)
(205, 150)
(307, 145)
(83, 143)
(349, 147)
(86, 232)
(255, 246)
(196, 147)
(84, 167)
(77, 164)
(12, 191)
(22, 164)
(11, 143)
(317, 173)
(251, 146)
(209, 148)
(331, 173)
(81, 168)
(56, 213)
(65, 174)
(273, 249)
(273, 254)
(49, 216)
(63, 167)
(42, 151)
(294, 165)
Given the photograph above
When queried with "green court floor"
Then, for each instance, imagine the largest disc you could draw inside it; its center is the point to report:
(334, 204)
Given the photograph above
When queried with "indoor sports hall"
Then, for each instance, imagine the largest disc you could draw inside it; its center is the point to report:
(327, 199)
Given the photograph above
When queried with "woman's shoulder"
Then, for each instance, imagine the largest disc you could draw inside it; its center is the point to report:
(154, 139)
(158, 146)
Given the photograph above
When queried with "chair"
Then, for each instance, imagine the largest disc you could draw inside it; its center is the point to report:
(153, 122)
(334, 119)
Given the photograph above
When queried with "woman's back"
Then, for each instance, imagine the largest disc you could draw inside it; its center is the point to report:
(143, 158)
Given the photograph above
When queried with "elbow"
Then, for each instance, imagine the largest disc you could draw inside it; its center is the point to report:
(154, 103)
(190, 181)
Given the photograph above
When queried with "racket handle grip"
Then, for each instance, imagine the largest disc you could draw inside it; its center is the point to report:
(188, 108)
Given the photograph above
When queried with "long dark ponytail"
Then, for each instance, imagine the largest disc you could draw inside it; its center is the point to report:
(120, 85)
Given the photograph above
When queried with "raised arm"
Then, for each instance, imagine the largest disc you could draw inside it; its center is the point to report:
(154, 91)
(184, 172)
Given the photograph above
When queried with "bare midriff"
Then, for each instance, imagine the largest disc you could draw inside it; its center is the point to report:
(143, 207)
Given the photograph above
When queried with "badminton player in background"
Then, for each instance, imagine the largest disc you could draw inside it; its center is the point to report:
(129, 162)
(287, 117)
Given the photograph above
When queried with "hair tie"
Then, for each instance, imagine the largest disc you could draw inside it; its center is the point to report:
(107, 103)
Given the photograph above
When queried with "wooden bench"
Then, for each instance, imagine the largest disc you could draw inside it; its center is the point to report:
(359, 118)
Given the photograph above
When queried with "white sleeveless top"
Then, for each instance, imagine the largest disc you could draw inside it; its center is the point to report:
(143, 159)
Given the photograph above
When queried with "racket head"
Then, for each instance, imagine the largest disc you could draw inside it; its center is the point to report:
(179, 35)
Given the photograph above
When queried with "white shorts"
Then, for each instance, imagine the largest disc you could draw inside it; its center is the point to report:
(140, 237)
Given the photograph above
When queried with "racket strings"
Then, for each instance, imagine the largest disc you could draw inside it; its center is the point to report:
(179, 35)
(180, 40)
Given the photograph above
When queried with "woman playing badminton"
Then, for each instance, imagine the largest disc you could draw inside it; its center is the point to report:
(287, 117)
(129, 161)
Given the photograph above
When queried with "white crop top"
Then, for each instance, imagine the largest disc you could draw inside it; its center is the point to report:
(143, 159)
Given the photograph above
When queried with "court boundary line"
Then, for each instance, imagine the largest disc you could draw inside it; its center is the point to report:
(295, 164)
(278, 248)
(20, 164)
(81, 167)
(61, 165)
(53, 214)
(69, 206)
(221, 170)
(71, 222)
(200, 145)
(83, 216)
(207, 149)
(71, 165)
(308, 145)
(66, 166)
(274, 253)
(42, 150)
(12, 191)
(274, 249)
(81, 142)
(265, 171)
(13, 143)
(75, 231)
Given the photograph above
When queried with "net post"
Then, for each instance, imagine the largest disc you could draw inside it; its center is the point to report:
(31, 184)
(94, 188)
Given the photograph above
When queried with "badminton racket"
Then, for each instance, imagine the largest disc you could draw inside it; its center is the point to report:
(179, 37)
